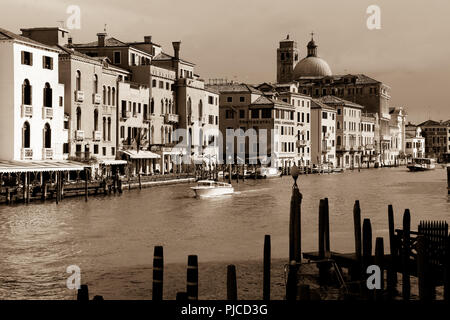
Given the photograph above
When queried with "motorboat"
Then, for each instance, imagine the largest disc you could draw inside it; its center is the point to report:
(211, 188)
(267, 172)
(422, 164)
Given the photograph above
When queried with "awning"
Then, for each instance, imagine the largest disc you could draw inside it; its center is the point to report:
(39, 166)
(112, 162)
(133, 154)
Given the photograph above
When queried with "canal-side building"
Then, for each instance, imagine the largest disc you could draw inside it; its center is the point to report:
(288, 92)
(437, 138)
(368, 142)
(268, 126)
(323, 134)
(314, 77)
(395, 153)
(414, 142)
(32, 100)
(348, 134)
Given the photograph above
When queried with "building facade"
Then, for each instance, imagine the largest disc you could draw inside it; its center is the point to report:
(437, 139)
(323, 134)
(32, 98)
(414, 142)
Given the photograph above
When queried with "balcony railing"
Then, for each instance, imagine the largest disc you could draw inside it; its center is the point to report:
(27, 110)
(79, 96)
(47, 113)
(171, 118)
(96, 135)
(106, 110)
(27, 153)
(96, 98)
(301, 143)
(79, 135)
(47, 154)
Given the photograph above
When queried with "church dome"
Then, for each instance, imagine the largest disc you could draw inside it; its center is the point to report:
(312, 67)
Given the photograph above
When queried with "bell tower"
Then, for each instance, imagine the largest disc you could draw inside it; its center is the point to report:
(287, 58)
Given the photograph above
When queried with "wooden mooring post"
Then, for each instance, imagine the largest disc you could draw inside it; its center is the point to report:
(356, 270)
(192, 278)
(231, 283)
(158, 273)
(366, 251)
(295, 251)
(86, 191)
(266, 269)
(379, 261)
(406, 252)
(291, 286)
(83, 293)
(392, 268)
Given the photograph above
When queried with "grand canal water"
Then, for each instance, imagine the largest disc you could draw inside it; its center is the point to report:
(106, 234)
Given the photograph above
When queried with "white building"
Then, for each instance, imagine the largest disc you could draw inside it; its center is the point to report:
(323, 134)
(32, 103)
(415, 143)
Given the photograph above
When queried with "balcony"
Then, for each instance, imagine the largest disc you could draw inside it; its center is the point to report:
(96, 135)
(96, 98)
(301, 143)
(369, 147)
(83, 156)
(27, 110)
(326, 147)
(106, 110)
(79, 135)
(171, 118)
(125, 115)
(47, 154)
(79, 96)
(47, 113)
(27, 153)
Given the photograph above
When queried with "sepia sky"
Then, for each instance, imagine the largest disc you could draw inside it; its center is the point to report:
(237, 39)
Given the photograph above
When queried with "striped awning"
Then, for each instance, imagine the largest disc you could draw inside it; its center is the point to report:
(39, 166)
(142, 154)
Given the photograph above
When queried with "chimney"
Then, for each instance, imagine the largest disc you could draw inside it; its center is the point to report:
(176, 49)
(148, 39)
(101, 39)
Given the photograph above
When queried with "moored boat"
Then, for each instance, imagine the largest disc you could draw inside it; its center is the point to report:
(210, 188)
(267, 172)
(422, 164)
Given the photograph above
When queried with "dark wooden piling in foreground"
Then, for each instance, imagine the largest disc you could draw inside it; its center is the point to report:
(304, 292)
(406, 252)
(447, 270)
(326, 227)
(266, 270)
(192, 278)
(367, 244)
(392, 271)
(291, 286)
(231, 283)
(356, 272)
(423, 270)
(379, 261)
(321, 235)
(295, 251)
(182, 296)
(158, 273)
(98, 298)
(83, 293)
(140, 183)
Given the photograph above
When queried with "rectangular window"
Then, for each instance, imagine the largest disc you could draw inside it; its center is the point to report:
(255, 114)
(266, 113)
(122, 132)
(307, 118)
(229, 114)
(61, 101)
(104, 151)
(95, 148)
(242, 114)
(27, 58)
(117, 57)
(65, 148)
(210, 100)
(324, 115)
(113, 151)
(229, 99)
(47, 62)
(241, 99)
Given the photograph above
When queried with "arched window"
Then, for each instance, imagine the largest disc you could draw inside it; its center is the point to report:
(104, 95)
(170, 106)
(190, 136)
(109, 96)
(143, 61)
(200, 109)
(47, 95)
(152, 130)
(152, 106)
(166, 135)
(109, 129)
(26, 135)
(78, 80)
(95, 120)
(162, 135)
(78, 118)
(189, 107)
(162, 106)
(104, 129)
(170, 135)
(113, 96)
(95, 83)
(47, 136)
(26, 92)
